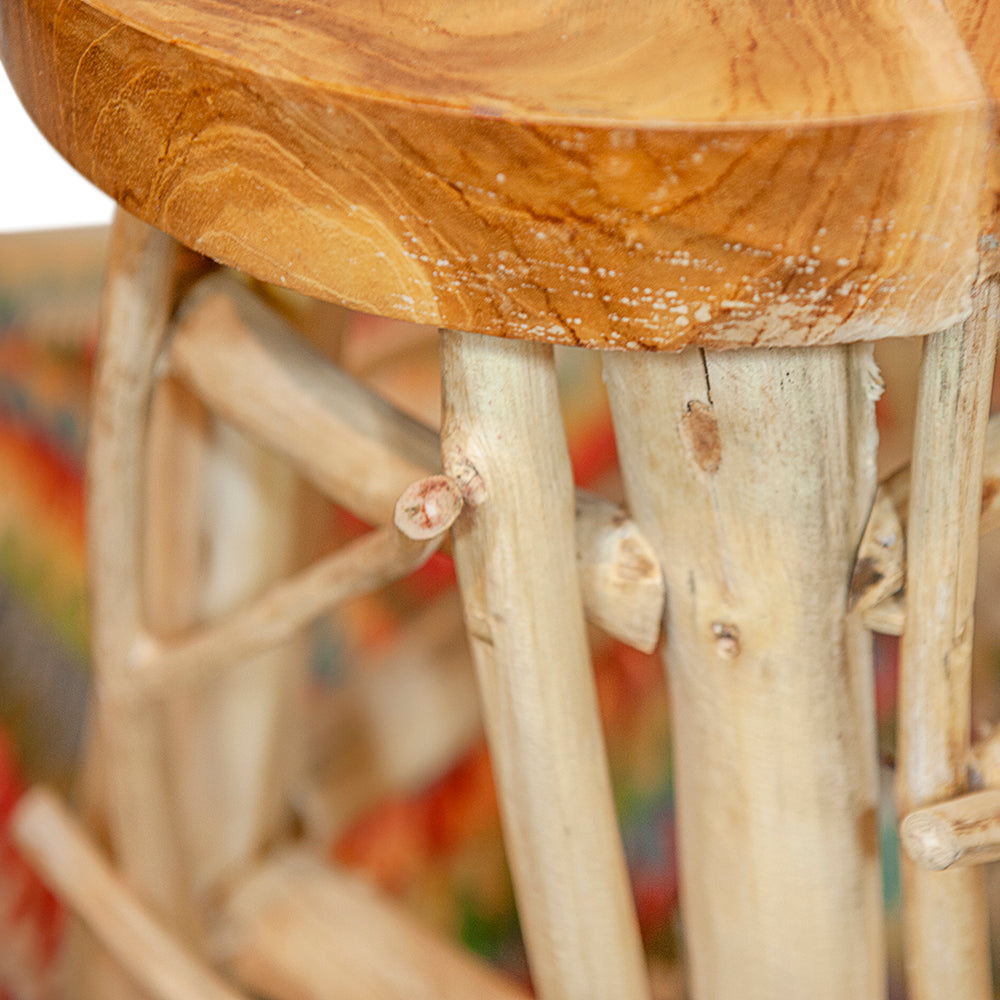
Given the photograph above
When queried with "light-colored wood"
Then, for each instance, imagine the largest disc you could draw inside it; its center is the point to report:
(944, 916)
(228, 791)
(960, 832)
(173, 762)
(295, 929)
(753, 473)
(880, 568)
(247, 364)
(72, 867)
(898, 487)
(503, 441)
(642, 174)
(173, 563)
(427, 508)
(137, 304)
(360, 567)
(90, 971)
(888, 617)
(620, 576)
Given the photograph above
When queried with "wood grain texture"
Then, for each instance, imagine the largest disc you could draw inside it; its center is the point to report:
(944, 913)
(503, 440)
(752, 474)
(645, 175)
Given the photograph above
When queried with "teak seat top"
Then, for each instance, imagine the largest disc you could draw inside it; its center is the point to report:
(643, 174)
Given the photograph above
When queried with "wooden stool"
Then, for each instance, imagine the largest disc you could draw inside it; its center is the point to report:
(653, 178)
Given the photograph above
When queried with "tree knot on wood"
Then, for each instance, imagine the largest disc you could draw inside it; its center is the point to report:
(727, 640)
(700, 433)
(460, 467)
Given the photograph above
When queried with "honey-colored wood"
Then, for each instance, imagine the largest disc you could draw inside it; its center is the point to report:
(250, 366)
(75, 871)
(642, 174)
(944, 915)
(503, 441)
(295, 929)
(752, 473)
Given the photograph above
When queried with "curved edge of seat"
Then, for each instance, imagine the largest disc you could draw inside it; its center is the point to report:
(604, 236)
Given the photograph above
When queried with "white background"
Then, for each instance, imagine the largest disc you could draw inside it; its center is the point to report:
(38, 189)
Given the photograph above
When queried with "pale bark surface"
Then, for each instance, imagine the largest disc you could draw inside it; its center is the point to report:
(503, 440)
(944, 915)
(753, 473)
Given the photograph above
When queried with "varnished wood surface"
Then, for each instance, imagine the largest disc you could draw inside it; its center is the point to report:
(639, 174)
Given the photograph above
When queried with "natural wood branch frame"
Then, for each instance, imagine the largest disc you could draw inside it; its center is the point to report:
(881, 564)
(294, 928)
(376, 559)
(959, 832)
(66, 860)
(503, 439)
(944, 913)
(751, 472)
(249, 366)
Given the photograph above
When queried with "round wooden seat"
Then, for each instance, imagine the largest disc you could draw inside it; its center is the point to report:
(649, 176)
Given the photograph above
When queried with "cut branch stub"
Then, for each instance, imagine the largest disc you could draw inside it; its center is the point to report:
(248, 365)
(428, 507)
(962, 831)
(880, 568)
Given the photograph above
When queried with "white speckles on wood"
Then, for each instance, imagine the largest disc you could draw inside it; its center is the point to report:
(752, 474)
(575, 175)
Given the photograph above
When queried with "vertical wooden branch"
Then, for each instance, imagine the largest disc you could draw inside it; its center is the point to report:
(751, 473)
(514, 550)
(228, 743)
(944, 912)
(137, 304)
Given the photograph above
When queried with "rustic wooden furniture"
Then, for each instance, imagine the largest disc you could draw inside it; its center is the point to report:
(666, 179)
